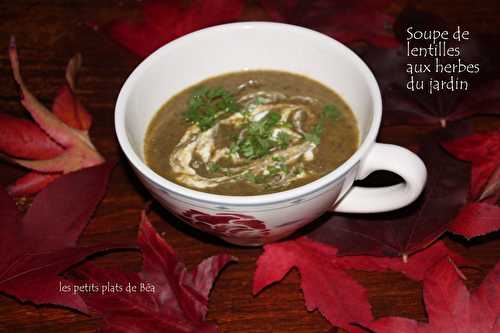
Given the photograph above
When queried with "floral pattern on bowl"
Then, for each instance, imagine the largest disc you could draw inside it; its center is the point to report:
(231, 225)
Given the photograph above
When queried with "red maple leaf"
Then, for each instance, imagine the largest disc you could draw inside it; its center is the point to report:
(326, 285)
(42, 244)
(177, 302)
(450, 306)
(481, 215)
(165, 20)
(345, 21)
(58, 143)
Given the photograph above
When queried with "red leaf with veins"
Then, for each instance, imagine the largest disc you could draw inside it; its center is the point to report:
(52, 147)
(481, 215)
(168, 20)
(179, 301)
(22, 138)
(345, 21)
(450, 306)
(326, 285)
(415, 267)
(412, 228)
(41, 245)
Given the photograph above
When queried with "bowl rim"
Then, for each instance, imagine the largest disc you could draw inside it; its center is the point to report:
(253, 200)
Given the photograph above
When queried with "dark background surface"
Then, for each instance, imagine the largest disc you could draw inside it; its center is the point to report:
(48, 33)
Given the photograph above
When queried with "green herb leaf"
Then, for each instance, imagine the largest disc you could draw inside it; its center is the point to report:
(213, 167)
(273, 169)
(331, 112)
(283, 140)
(257, 140)
(206, 105)
(251, 177)
(315, 135)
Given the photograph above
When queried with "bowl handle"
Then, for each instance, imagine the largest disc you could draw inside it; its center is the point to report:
(381, 199)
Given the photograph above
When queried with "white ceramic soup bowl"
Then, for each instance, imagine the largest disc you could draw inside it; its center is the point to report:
(255, 220)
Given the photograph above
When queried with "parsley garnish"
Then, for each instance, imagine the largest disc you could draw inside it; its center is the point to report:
(214, 167)
(329, 112)
(283, 140)
(257, 140)
(206, 105)
(314, 135)
(253, 178)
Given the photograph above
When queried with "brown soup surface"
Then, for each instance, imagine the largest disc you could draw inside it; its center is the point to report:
(251, 133)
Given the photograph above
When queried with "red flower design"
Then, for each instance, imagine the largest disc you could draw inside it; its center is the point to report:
(227, 224)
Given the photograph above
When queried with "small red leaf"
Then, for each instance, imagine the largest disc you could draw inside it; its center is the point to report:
(482, 215)
(69, 109)
(483, 150)
(167, 20)
(66, 106)
(23, 139)
(178, 303)
(476, 219)
(42, 245)
(31, 183)
(450, 306)
(326, 287)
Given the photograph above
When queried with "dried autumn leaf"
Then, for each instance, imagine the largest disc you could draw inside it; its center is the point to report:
(178, 303)
(450, 306)
(414, 227)
(59, 144)
(345, 21)
(41, 245)
(481, 215)
(326, 285)
(166, 20)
